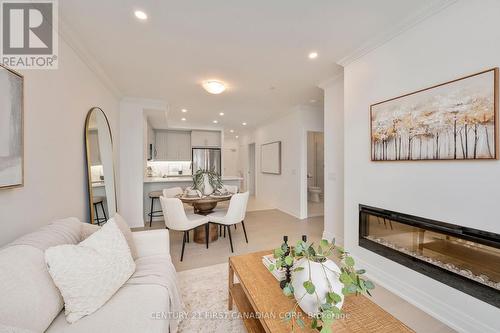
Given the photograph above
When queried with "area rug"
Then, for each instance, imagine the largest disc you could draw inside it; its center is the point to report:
(205, 296)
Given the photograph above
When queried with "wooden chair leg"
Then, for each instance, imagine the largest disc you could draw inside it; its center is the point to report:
(183, 245)
(207, 233)
(244, 230)
(230, 238)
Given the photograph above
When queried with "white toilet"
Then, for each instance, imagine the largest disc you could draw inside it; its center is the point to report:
(314, 193)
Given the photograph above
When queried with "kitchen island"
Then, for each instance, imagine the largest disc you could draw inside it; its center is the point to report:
(159, 183)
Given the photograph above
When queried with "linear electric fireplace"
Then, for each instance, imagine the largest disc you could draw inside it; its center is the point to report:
(464, 258)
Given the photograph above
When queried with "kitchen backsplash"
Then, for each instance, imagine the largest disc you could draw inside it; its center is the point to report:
(163, 168)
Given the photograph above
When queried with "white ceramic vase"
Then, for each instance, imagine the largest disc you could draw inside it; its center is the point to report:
(309, 303)
(207, 188)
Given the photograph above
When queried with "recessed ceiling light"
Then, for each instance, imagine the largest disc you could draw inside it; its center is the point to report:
(244, 124)
(231, 131)
(141, 15)
(312, 101)
(236, 137)
(183, 119)
(313, 55)
(215, 121)
(214, 87)
(184, 110)
(221, 113)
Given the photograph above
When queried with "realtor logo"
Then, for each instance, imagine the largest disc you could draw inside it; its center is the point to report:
(29, 34)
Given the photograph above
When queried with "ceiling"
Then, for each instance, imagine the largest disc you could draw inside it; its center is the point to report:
(259, 48)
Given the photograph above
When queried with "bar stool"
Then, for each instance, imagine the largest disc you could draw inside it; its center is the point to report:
(99, 201)
(154, 195)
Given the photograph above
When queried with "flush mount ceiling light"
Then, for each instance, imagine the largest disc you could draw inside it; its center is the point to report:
(141, 15)
(213, 86)
(313, 55)
(184, 110)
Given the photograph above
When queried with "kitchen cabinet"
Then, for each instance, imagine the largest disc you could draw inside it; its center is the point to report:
(172, 145)
(206, 138)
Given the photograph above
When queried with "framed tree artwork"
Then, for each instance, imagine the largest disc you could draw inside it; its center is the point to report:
(456, 120)
(11, 129)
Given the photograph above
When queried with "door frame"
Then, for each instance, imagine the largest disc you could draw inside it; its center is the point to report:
(251, 165)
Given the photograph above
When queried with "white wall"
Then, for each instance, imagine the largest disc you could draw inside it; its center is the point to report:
(132, 157)
(288, 191)
(230, 156)
(334, 159)
(56, 104)
(463, 39)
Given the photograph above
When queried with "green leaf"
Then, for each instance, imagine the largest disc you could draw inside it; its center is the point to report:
(309, 287)
(298, 269)
(278, 253)
(360, 271)
(345, 278)
(326, 306)
(314, 323)
(325, 329)
(288, 290)
(271, 268)
(369, 285)
(300, 322)
(334, 297)
(349, 261)
(288, 260)
(324, 243)
(345, 291)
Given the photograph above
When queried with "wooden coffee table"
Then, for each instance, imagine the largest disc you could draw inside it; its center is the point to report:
(261, 302)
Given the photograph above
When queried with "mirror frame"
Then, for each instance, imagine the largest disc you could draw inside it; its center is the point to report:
(87, 160)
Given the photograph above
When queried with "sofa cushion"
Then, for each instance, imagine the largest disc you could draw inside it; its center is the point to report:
(28, 297)
(65, 231)
(127, 233)
(134, 308)
(89, 273)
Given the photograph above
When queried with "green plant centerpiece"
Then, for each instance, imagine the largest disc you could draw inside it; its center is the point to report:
(318, 284)
(207, 181)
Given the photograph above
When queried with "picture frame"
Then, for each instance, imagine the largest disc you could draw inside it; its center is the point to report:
(11, 129)
(270, 162)
(454, 120)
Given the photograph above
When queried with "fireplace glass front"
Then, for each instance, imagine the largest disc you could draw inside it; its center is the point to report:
(440, 250)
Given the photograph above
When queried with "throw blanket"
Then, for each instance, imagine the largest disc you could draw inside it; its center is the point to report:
(159, 270)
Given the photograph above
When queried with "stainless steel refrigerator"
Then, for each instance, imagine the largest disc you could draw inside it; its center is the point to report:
(207, 159)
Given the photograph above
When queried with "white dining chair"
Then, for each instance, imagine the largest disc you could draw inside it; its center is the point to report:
(172, 192)
(235, 214)
(177, 219)
(231, 188)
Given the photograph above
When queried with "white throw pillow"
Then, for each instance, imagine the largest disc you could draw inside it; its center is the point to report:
(88, 274)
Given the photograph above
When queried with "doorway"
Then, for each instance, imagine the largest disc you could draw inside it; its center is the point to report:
(251, 168)
(315, 173)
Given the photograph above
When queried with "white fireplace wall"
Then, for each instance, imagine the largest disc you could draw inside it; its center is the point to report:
(462, 39)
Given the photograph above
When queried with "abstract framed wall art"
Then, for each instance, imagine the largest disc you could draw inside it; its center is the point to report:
(455, 120)
(11, 129)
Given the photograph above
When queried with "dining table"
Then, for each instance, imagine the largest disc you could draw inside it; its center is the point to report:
(203, 206)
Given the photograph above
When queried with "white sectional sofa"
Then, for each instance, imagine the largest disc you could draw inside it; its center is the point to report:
(30, 302)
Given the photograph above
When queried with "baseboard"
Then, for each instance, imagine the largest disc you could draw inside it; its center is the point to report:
(435, 307)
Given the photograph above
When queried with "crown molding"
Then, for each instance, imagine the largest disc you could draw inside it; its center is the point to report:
(70, 37)
(407, 24)
(330, 81)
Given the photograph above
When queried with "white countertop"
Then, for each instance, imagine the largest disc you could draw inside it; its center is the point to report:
(188, 179)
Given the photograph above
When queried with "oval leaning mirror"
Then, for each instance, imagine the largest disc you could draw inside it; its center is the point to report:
(100, 168)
